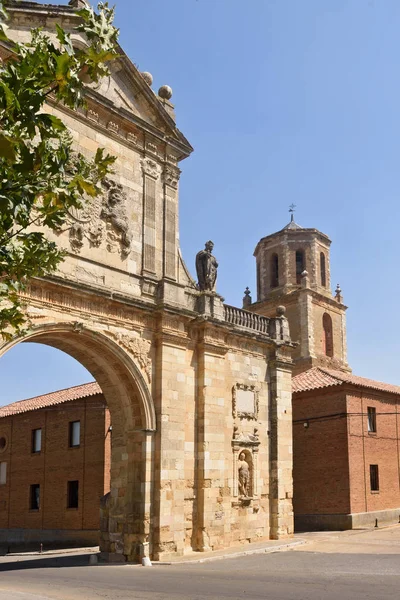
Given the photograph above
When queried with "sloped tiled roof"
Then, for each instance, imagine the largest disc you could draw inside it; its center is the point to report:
(59, 397)
(319, 377)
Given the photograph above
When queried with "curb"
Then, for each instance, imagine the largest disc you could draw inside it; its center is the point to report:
(268, 550)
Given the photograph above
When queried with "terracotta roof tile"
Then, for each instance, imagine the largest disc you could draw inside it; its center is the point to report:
(319, 377)
(52, 399)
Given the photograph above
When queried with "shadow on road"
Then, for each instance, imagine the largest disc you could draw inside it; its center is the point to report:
(46, 562)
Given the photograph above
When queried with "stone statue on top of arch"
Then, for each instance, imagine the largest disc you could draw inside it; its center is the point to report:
(206, 268)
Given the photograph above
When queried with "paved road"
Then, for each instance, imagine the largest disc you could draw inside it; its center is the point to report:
(349, 566)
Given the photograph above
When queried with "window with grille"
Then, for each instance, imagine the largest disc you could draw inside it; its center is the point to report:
(371, 419)
(3, 473)
(374, 477)
(327, 335)
(300, 265)
(323, 269)
(73, 494)
(74, 434)
(36, 440)
(34, 497)
(274, 271)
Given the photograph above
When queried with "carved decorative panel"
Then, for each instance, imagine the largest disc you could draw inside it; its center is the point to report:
(245, 401)
(102, 221)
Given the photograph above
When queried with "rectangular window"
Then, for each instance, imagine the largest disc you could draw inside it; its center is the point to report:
(73, 494)
(374, 477)
(34, 499)
(371, 419)
(36, 440)
(3, 473)
(74, 434)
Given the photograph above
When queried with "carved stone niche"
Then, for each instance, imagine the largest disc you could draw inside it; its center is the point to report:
(245, 401)
(245, 466)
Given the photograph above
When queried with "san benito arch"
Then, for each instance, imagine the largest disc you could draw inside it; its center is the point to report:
(133, 417)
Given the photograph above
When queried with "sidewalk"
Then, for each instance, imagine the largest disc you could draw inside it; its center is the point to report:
(264, 547)
(256, 548)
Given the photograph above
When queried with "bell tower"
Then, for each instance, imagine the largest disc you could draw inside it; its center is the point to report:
(293, 270)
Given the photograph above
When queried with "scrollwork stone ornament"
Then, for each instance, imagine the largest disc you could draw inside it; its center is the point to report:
(138, 347)
(102, 220)
(245, 401)
(171, 177)
(150, 167)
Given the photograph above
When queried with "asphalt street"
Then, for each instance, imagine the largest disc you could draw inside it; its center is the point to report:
(329, 567)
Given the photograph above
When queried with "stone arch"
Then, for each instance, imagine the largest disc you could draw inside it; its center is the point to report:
(133, 419)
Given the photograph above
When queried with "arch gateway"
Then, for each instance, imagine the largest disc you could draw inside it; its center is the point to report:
(197, 389)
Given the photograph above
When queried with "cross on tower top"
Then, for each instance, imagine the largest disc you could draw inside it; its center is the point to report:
(292, 208)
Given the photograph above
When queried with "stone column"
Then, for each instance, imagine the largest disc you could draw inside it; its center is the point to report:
(281, 444)
(210, 437)
(172, 395)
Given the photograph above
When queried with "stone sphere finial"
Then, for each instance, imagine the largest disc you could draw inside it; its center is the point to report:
(148, 77)
(304, 273)
(280, 311)
(165, 92)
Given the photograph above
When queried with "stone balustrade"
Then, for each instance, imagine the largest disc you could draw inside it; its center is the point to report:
(275, 327)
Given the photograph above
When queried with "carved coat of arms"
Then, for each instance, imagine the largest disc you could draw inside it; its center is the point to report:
(103, 219)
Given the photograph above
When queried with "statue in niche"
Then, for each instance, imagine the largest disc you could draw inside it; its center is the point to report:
(244, 475)
(206, 267)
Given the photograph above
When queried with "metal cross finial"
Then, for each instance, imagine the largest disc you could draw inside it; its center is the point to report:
(292, 208)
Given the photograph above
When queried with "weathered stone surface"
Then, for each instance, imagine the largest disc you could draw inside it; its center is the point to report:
(166, 355)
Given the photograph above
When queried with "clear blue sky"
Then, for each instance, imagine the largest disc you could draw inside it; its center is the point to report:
(284, 101)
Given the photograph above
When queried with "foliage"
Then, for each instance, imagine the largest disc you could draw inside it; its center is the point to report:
(41, 177)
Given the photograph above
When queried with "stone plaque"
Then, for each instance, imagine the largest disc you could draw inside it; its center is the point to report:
(244, 401)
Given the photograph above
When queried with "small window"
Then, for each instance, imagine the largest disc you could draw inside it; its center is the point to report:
(374, 477)
(323, 269)
(34, 500)
(73, 494)
(274, 271)
(3, 443)
(74, 434)
(300, 265)
(3, 473)
(36, 440)
(327, 335)
(371, 419)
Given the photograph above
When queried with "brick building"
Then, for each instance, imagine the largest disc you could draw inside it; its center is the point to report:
(54, 467)
(346, 460)
(346, 450)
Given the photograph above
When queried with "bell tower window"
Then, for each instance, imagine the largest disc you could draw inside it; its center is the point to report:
(274, 271)
(328, 335)
(300, 265)
(323, 269)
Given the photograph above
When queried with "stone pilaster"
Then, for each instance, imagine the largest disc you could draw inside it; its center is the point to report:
(281, 444)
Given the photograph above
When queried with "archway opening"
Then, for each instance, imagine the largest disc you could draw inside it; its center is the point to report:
(123, 389)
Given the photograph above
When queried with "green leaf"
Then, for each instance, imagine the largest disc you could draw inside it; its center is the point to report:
(7, 147)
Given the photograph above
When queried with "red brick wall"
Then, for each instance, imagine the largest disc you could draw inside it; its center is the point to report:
(331, 458)
(55, 465)
(320, 459)
(380, 448)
